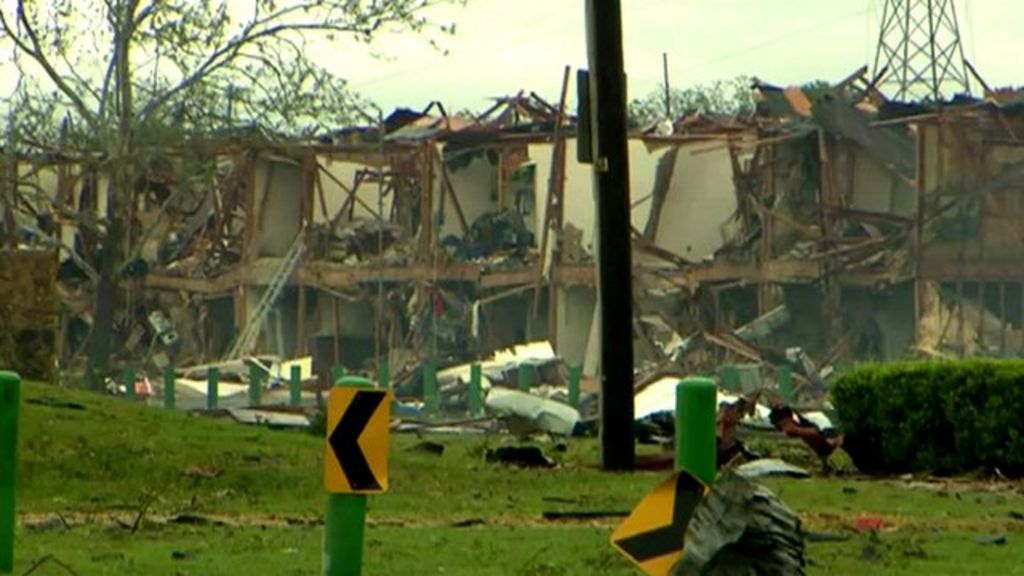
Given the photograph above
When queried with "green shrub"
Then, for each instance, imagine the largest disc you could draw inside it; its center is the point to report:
(940, 417)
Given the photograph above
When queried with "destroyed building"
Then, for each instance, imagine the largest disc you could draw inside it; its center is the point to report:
(830, 221)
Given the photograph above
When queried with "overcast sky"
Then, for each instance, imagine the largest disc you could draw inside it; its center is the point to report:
(502, 46)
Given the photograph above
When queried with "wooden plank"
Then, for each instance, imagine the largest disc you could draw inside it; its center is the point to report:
(301, 336)
(556, 180)
(426, 204)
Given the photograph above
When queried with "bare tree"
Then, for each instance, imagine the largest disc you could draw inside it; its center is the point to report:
(127, 71)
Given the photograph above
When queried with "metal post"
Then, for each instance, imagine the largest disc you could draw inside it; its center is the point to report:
(430, 399)
(614, 262)
(730, 378)
(786, 382)
(384, 375)
(345, 520)
(295, 392)
(212, 384)
(255, 385)
(170, 379)
(525, 377)
(476, 395)
(696, 443)
(575, 375)
(129, 383)
(10, 403)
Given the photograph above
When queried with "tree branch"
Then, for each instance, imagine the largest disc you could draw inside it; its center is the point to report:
(273, 26)
(35, 52)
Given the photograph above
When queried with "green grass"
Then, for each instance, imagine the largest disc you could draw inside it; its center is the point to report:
(99, 463)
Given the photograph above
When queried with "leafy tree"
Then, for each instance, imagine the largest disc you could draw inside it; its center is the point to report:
(133, 76)
(733, 97)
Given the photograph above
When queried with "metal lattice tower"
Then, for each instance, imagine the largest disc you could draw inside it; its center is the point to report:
(919, 48)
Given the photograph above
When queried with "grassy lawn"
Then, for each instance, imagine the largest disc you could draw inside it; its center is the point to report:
(98, 465)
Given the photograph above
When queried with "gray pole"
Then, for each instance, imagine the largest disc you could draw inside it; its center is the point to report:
(611, 185)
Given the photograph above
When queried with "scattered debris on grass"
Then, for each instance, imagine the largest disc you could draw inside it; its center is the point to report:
(522, 456)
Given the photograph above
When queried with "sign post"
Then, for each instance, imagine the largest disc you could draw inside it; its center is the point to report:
(295, 389)
(476, 395)
(652, 536)
(786, 382)
(129, 383)
(212, 385)
(170, 378)
(431, 403)
(575, 375)
(525, 377)
(696, 433)
(10, 403)
(355, 464)
(255, 385)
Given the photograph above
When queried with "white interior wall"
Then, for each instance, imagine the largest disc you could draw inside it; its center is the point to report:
(473, 186)
(579, 186)
(699, 202)
(575, 315)
(278, 206)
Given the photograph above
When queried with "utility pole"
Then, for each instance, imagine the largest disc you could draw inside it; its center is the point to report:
(609, 153)
(668, 90)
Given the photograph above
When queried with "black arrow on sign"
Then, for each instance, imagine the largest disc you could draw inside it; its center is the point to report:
(344, 440)
(667, 539)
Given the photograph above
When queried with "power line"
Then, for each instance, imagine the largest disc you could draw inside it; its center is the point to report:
(784, 36)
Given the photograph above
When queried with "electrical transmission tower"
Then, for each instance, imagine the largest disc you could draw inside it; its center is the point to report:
(919, 51)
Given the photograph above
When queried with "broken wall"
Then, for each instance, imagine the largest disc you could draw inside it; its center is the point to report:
(868, 185)
(338, 179)
(579, 186)
(576, 305)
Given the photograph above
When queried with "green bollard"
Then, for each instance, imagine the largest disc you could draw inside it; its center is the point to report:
(212, 388)
(295, 391)
(731, 378)
(476, 393)
(786, 382)
(170, 379)
(696, 430)
(345, 521)
(383, 375)
(10, 403)
(430, 399)
(337, 373)
(525, 377)
(255, 385)
(129, 383)
(575, 376)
